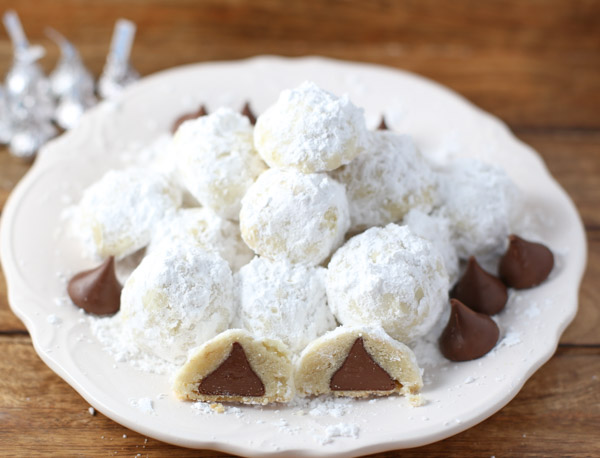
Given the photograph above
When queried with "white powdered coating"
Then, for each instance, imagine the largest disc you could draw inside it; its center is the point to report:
(117, 214)
(310, 130)
(179, 297)
(388, 277)
(283, 301)
(436, 229)
(293, 216)
(217, 160)
(386, 181)
(204, 228)
(479, 199)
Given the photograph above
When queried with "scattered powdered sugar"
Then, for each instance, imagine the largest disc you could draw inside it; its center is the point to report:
(510, 339)
(144, 405)
(117, 341)
(386, 181)
(297, 132)
(340, 430)
(322, 406)
(388, 277)
(283, 301)
(290, 215)
(53, 319)
(92, 411)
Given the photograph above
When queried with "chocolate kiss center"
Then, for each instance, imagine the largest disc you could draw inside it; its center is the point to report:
(97, 290)
(468, 334)
(382, 125)
(234, 377)
(247, 111)
(359, 372)
(480, 290)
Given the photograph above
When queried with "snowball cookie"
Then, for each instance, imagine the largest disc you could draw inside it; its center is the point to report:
(236, 367)
(310, 130)
(179, 297)
(293, 216)
(117, 214)
(388, 277)
(283, 301)
(357, 362)
(204, 228)
(479, 200)
(386, 181)
(436, 229)
(217, 160)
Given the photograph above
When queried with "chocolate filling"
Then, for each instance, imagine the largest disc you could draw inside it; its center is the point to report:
(360, 372)
(234, 377)
(97, 290)
(468, 334)
(247, 111)
(480, 290)
(525, 264)
(186, 117)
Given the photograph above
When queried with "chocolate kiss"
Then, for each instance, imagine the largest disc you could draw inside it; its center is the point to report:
(97, 290)
(382, 125)
(525, 264)
(479, 290)
(186, 117)
(468, 334)
(360, 372)
(234, 377)
(247, 111)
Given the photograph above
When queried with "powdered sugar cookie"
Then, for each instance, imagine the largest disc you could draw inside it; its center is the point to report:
(217, 160)
(294, 216)
(480, 200)
(310, 130)
(179, 297)
(204, 228)
(386, 181)
(388, 277)
(236, 367)
(116, 214)
(283, 301)
(357, 362)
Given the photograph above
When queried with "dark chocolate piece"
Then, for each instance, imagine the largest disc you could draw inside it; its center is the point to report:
(247, 111)
(525, 264)
(468, 334)
(234, 377)
(480, 290)
(97, 290)
(360, 372)
(382, 125)
(186, 117)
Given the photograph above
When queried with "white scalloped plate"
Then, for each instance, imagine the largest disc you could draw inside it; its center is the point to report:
(34, 249)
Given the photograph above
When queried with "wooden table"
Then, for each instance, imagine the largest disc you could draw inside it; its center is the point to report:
(535, 64)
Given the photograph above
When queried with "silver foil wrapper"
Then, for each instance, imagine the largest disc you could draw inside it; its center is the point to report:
(28, 95)
(118, 72)
(6, 124)
(71, 83)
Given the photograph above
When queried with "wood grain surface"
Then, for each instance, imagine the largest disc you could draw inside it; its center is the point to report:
(535, 64)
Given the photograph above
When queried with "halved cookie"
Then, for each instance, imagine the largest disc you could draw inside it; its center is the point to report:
(236, 367)
(357, 362)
